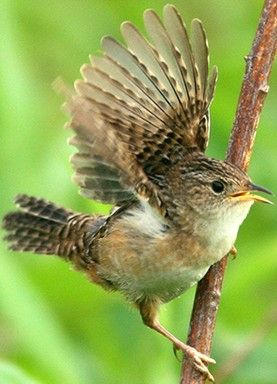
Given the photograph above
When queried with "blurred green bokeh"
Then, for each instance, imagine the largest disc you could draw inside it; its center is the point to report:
(55, 327)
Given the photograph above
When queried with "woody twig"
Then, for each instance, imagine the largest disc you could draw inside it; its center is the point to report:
(253, 92)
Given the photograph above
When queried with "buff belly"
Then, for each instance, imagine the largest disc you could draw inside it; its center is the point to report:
(148, 269)
(143, 258)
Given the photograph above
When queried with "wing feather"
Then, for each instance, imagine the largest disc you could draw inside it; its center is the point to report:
(177, 31)
(200, 53)
(140, 107)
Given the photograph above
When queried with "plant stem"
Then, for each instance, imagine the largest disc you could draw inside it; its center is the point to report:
(253, 92)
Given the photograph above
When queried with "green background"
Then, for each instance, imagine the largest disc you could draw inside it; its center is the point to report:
(55, 327)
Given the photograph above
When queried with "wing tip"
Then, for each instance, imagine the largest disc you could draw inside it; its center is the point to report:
(106, 39)
(197, 21)
(126, 27)
(149, 11)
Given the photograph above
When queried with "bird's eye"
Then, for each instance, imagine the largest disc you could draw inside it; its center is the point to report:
(217, 186)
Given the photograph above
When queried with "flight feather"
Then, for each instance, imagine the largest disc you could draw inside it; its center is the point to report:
(140, 107)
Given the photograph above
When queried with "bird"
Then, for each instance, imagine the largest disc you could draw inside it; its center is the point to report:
(141, 122)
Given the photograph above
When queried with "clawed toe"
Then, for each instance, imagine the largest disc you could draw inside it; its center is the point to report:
(199, 360)
(201, 367)
(175, 351)
(233, 251)
(205, 358)
(204, 370)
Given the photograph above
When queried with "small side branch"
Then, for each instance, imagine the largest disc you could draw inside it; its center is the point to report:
(253, 92)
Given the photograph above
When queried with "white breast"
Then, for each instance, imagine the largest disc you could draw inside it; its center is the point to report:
(145, 220)
(222, 232)
(151, 273)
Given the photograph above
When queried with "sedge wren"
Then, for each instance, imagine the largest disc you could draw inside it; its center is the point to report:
(141, 122)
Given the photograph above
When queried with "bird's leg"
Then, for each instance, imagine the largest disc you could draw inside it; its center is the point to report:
(149, 314)
(233, 251)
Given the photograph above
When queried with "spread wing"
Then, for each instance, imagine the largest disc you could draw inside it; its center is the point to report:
(140, 107)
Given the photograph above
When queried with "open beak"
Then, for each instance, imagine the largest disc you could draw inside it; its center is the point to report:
(248, 195)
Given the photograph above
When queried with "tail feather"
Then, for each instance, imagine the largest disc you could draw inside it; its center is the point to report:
(29, 233)
(42, 208)
(42, 227)
(16, 221)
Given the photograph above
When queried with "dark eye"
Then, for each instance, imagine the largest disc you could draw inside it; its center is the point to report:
(217, 186)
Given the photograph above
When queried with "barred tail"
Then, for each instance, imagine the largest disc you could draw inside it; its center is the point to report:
(42, 227)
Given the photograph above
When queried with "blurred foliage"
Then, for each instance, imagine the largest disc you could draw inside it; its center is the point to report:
(55, 327)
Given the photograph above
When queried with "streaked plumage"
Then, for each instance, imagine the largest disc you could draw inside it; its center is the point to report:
(141, 122)
(141, 108)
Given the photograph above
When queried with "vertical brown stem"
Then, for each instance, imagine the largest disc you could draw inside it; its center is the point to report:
(253, 92)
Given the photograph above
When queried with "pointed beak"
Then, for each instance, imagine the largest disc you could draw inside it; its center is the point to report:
(249, 196)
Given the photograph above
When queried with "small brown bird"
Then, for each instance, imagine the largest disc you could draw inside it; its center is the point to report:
(141, 123)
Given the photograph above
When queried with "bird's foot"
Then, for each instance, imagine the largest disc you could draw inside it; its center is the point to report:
(233, 252)
(199, 360)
